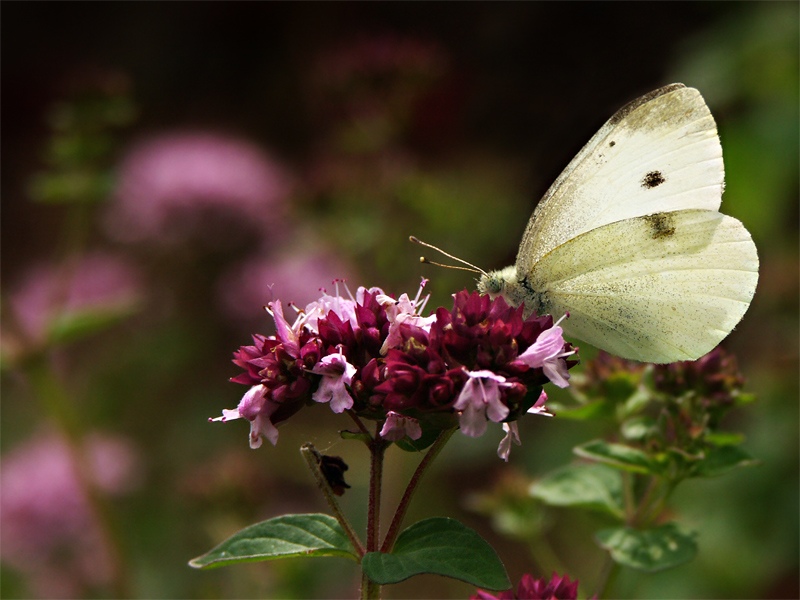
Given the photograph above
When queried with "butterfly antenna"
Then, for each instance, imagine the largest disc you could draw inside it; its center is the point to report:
(472, 268)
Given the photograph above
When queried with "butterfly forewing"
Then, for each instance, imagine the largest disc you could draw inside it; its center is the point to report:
(659, 288)
(660, 153)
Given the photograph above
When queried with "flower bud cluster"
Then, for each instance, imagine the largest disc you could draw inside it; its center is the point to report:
(378, 358)
(683, 402)
(698, 395)
(555, 588)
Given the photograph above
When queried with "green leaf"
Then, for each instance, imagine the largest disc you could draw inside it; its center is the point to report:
(594, 487)
(281, 537)
(619, 456)
(81, 324)
(635, 403)
(724, 438)
(443, 547)
(595, 409)
(721, 459)
(637, 428)
(428, 437)
(71, 187)
(651, 550)
(355, 435)
(743, 399)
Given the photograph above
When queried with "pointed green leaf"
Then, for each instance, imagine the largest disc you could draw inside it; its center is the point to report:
(635, 403)
(637, 428)
(594, 487)
(595, 409)
(355, 435)
(281, 537)
(619, 456)
(77, 325)
(652, 550)
(443, 547)
(724, 438)
(429, 436)
(742, 399)
(721, 459)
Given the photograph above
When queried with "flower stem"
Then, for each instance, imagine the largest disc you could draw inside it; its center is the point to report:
(649, 512)
(312, 459)
(370, 589)
(378, 450)
(358, 422)
(402, 508)
(61, 408)
(608, 576)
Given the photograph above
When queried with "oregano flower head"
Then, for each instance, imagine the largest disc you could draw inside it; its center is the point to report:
(379, 358)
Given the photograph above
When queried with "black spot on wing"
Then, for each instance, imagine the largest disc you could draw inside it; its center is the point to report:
(662, 225)
(653, 179)
(612, 143)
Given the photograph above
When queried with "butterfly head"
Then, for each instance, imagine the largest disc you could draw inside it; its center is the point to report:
(515, 291)
(495, 283)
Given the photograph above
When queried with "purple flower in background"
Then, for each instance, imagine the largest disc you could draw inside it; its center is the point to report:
(167, 182)
(46, 525)
(49, 296)
(370, 56)
(244, 290)
(369, 92)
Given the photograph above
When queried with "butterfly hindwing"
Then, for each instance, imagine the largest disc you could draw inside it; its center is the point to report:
(660, 288)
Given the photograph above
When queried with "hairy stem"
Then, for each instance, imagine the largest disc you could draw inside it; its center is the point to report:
(370, 589)
(402, 508)
(312, 459)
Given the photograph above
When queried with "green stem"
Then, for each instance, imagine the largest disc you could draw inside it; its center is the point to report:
(61, 409)
(361, 427)
(635, 516)
(650, 512)
(312, 459)
(608, 576)
(544, 556)
(402, 508)
(378, 450)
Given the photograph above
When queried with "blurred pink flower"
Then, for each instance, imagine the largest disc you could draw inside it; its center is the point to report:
(369, 89)
(371, 56)
(168, 183)
(94, 283)
(47, 529)
(296, 277)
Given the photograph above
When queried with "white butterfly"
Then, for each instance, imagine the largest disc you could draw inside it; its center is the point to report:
(629, 240)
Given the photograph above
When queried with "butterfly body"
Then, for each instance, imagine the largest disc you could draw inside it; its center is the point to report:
(629, 240)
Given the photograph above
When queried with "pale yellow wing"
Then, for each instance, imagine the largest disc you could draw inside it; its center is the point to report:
(659, 153)
(660, 288)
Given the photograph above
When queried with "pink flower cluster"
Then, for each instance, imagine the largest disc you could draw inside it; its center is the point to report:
(379, 358)
(48, 530)
(557, 588)
(167, 182)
